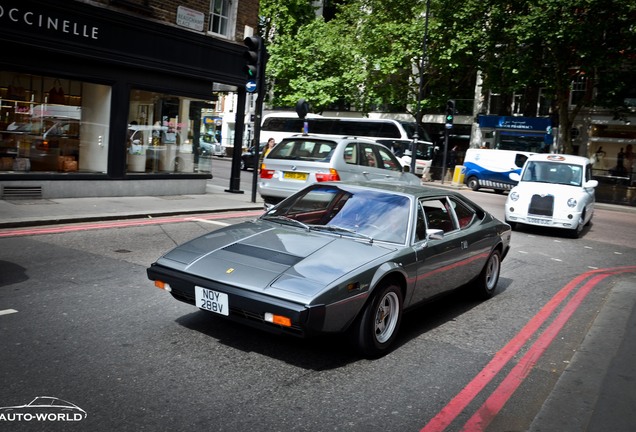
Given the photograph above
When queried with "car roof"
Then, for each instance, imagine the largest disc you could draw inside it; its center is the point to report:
(329, 138)
(392, 186)
(559, 158)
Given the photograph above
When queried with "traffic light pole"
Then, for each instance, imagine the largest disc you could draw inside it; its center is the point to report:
(258, 114)
(448, 125)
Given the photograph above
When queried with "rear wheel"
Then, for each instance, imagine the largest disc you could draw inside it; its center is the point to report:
(487, 280)
(473, 183)
(376, 329)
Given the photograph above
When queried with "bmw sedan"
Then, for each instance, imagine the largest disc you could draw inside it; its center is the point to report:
(340, 257)
(301, 160)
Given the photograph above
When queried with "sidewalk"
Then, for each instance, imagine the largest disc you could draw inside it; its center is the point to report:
(21, 213)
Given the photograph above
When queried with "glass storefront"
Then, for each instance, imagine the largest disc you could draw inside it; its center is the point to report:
(53, 125)
(49, 124)
(166, 133)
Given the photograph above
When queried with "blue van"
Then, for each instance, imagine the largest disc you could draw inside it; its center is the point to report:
(488, 168)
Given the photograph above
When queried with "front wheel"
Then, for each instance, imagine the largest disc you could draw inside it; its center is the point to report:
(376, 329)
(489, 276)
(473, 183)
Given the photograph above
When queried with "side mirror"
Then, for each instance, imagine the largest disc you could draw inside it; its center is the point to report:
(590, 184)
(434, 234)
(514, 176)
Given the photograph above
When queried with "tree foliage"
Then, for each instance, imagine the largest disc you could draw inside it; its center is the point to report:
(368, 56)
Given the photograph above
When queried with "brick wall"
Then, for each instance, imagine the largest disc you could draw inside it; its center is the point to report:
(165, 11)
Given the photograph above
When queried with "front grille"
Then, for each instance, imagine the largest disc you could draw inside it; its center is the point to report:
(541, 205)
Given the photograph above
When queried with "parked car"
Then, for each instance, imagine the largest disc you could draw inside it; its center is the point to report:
(301, 160)
(340, 257)
(247, 158)
(554, 191)
(209, 146)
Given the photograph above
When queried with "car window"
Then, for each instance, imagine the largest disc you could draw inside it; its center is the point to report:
(551, 172)
(368, 156)
(351, 154)
(303, 149)
(389, 161)
(375, 214)
(464, 214)
(420, 228)
(438, 214)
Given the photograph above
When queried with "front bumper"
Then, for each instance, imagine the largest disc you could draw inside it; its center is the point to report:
(570, 221)
(245, 306)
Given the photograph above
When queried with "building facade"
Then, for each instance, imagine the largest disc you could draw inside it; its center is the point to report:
(113, 97)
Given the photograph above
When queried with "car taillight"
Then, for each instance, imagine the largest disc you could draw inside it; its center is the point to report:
(331, 176)
(266, 173)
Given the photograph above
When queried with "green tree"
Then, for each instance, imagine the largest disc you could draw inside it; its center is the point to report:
(550, 44)
(368, 55)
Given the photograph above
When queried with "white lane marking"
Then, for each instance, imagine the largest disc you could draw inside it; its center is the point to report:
(8, 311)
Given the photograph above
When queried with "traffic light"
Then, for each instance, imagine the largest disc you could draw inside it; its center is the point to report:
(450, 112)
(253, 55)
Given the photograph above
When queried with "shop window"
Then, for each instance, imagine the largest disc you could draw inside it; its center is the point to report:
(168, 133)
(52, 125)
(222, 17)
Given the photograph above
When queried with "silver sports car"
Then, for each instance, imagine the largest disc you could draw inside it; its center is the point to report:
(340, 257)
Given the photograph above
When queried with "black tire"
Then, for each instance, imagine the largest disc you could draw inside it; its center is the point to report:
(486, 282)
(473, 183)
(375, 330)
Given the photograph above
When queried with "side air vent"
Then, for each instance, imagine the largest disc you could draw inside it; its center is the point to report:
(21, 192)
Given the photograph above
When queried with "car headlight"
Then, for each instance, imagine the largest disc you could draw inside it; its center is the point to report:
(514, 196)
(572, 202)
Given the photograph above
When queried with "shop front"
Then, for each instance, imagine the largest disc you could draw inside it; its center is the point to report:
(100, 103)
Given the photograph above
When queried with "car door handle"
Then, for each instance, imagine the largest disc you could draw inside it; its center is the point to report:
(464, 244)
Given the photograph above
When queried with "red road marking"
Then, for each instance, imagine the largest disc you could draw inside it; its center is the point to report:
(489, 410)
(124, 223)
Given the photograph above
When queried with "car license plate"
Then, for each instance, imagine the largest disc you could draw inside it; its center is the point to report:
(295, 175)
(539, 221)
(212, 301)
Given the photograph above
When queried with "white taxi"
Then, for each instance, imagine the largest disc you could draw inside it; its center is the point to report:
(554, 190)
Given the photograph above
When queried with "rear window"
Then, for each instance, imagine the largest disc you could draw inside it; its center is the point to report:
(303, 149)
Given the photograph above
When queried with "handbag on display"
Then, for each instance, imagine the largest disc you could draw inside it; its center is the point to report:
(15, 91)
(56, 94)
(21, 164)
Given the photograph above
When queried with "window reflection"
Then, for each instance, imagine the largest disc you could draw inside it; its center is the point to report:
(49, 124)
(166, 133)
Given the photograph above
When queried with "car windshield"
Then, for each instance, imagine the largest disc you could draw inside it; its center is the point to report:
(371, 214)
(551, 172)
(303, 149)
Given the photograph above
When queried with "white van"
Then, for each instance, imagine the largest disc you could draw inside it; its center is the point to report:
(488, 168)
(395, 134)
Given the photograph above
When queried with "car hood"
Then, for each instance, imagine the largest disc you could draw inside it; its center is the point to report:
(536, 188)
(273, 259)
